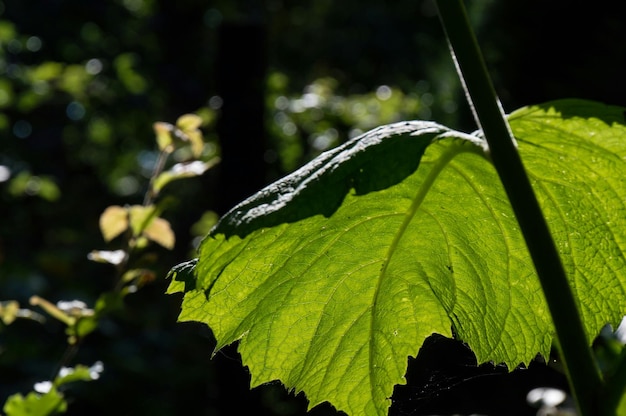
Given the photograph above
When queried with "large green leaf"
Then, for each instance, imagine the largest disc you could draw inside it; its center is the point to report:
(333, 276)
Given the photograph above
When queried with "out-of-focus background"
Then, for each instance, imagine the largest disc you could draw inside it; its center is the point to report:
(277, 82)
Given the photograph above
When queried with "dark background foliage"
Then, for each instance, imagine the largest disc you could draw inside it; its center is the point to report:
(82, 81)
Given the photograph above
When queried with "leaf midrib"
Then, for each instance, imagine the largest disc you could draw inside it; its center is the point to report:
(438, 166)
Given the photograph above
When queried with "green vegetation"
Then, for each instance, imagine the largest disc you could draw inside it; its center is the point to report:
(137, 225)
(332, 276)
(95, 210)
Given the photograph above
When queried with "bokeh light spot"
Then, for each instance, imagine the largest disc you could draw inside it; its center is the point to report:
(5, 173)
(22, 129)
(93, 66)
(33, 44)
(216, 102)
(212, 18)
(75, 111)
(383, 93)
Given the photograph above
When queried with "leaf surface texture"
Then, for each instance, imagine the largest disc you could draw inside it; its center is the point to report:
(331, 277)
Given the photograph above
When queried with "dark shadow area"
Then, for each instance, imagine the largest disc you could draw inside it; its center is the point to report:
(445, 379)
(240, 80)
(374, 161)
(540, 51)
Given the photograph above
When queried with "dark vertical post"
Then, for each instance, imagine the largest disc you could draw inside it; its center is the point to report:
(241, 68)
(240, 81)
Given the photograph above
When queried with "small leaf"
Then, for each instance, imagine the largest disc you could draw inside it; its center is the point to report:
(109, 302)
(52, 310)
(188, 122)
(48, 189)
(113, 222)
(141, 217)
(137, 278)
(78, 373)
(35, 404)
(189, 126)
(25, 183)
(182, 170)
(9, 311)
(197, 143)
(137, 274)
(160, 232)
(82, 328)
(141, 242)
(85, 319)
(163, 132)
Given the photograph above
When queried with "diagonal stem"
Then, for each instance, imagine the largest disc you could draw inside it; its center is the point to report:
(582, 372)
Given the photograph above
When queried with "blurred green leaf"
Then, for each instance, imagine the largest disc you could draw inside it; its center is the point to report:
(35, 404)
(136, 274)
(84, 322)
(74, 80)
(48, 190)
(6, 93)
(141, 242)
(27, 184)
(100, 130)
(52, 310)
(82, 327)
(7, 31)
(47, 400)
(277, 81)
(29, 100)
(196, 141)
(208, 115)
(113, 222)
(205, 223)
(78, 373)
(46, 71)
(188, 122)
(163, 132)
(109, 302)
(125, 65)
(323, 118)
(141, 217)
(183, 170)
(8, 311)
(160, 231)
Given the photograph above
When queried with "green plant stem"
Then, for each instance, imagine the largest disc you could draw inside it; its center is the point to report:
(158, 168)
(582, 372)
